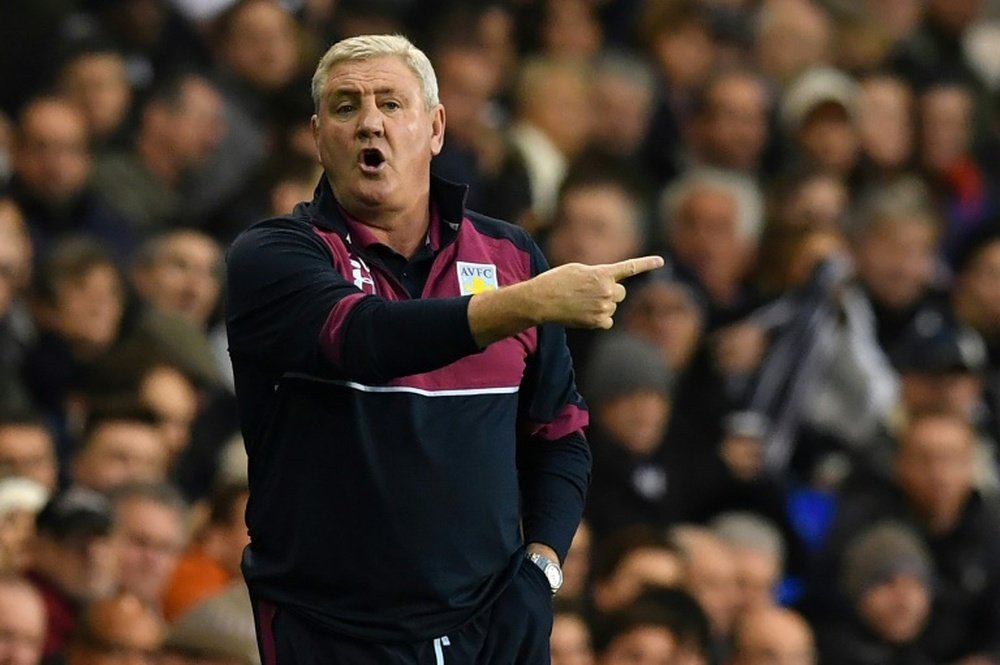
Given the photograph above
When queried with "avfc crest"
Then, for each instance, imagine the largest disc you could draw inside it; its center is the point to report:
(475, 278)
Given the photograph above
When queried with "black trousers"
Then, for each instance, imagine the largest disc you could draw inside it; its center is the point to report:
(513, 631)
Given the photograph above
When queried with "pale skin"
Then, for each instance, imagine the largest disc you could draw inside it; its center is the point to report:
(375, 137)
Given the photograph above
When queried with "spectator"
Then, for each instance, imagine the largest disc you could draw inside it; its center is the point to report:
(177, 275)
(819, 115)
(22, 622)
(676, 38)
(623, 91)
(712, 222)
(74, 560)
(476, 151)
(78, 303)
(792, 37)
(20, 501)
(933, 494)
(116, 629)
(628, 390)
(213, 560)
(151, 530)
(893, 249)
(667, 311)
(886, 126)
(27, 451)
(51, 184)
(665, 626)
(169, 394)
(552, 126)
(759, 552)
(119, 445)
(730, 129)
(218, 631)
(710, 578)
(887, 576)
(570, 638)
(96, 80)
(770, 635)
(934, 49)
(963, 189)
(630, 562)
(180, 127)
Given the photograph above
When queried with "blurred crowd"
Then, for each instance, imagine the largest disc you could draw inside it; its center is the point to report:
(794, 423)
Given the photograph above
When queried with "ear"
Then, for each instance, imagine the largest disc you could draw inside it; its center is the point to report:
(314, 125)
(437, 129)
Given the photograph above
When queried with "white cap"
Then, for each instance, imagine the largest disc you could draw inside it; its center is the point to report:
(817, 86)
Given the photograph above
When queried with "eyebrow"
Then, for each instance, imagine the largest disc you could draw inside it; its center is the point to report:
(349, 92)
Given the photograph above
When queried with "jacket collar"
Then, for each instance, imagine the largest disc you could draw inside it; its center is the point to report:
(447, 197)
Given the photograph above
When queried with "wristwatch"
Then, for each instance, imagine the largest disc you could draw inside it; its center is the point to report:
(553, 573)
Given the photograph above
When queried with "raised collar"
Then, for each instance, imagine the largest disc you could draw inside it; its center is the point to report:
(447, 209)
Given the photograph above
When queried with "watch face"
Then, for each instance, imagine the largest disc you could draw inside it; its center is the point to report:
(554, 575)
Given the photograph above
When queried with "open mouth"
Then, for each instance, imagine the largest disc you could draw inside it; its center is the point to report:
(371, 159)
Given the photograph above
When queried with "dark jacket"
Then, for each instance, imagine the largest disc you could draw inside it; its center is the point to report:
(393, 464)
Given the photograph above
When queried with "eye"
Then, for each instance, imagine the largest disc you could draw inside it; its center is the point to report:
(343, 109)
(391, 105)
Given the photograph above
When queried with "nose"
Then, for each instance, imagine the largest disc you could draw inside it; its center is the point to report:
(370, 121)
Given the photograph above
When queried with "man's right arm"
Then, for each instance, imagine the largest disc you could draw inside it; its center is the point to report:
(289, 307)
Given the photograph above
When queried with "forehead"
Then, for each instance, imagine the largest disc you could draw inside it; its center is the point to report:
(380, 72)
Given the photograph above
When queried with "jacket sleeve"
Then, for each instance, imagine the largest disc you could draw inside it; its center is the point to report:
(554, 458)
(289, 308)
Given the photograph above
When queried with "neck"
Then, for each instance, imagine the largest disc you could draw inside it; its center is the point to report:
(403, 230)
(158, 160)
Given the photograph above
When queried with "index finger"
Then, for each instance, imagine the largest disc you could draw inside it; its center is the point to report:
(629, 267)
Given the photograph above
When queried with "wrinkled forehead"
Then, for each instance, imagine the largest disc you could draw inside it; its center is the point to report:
(381, 71)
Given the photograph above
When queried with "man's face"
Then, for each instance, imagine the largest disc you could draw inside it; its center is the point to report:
(735, 127)
(979, 285)
(829, 139)
(896, 610)
(466, 82)
(643, 645)
(99, 83)
(375, 136)
(934, 466)
(885, 121)
(51, 156)
(261, 46)
(151, 537)
(895, 261)
(124, 632)
(89, 309)
(622, 109)
(667, 316)
(596, 225)
(706, 238)
(757, 575)
(570, 641)
(84, 567)
(773, 637)
(26, 450)
(118, 452)
(184, 277)
(197, 125)
(22, 626)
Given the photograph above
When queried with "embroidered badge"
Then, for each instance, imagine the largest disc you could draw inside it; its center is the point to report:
(475, 278)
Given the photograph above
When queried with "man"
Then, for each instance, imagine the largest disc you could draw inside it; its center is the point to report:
(22, 622)
(52, 167)
(27, 450)
(181, 125)
(151, 525)
(213, 560)
(389, 491)
(888, 578)
(119, 629)
(662, 627)
(759, 552)
(75, 560)
(933, 494)
(119, 445)
(770, 635)
(730, 128)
